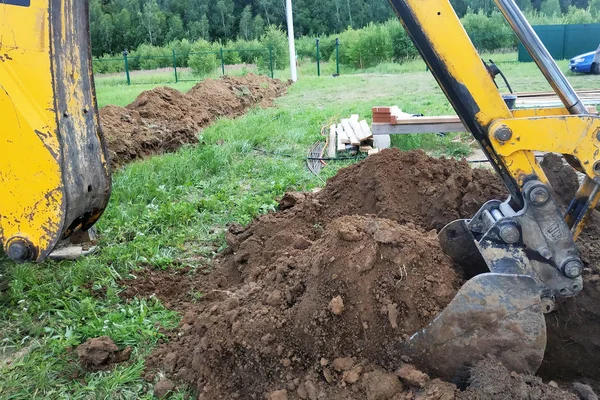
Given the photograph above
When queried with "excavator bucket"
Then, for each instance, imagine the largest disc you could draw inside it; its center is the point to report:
(497, 315)
(54, 174)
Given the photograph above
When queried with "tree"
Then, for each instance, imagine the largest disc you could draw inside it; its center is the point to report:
(224, 13)
(176, 30)
(595, 8)
(550, 7)
(525, 5)
(152, 18)
(245, 28)
(258, 26)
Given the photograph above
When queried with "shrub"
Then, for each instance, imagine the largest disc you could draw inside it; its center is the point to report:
(182, 50)
(108, 64)
(249, 50)
(202, 58)
(488, 33)
(402, 45)
(276, 39)
(152, 57)
(370, 47)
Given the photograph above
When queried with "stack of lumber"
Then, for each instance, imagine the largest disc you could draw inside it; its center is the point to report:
(351, 135)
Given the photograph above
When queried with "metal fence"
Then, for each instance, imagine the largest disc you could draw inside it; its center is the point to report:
(565, 41)
(175, 63)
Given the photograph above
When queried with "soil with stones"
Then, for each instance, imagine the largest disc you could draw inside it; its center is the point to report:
(314, 301)
(164, 119)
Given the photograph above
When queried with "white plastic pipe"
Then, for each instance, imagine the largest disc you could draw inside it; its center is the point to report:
(292, 44)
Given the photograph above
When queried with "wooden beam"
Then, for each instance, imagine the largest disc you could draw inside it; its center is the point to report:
(341, 146)
(332, 144)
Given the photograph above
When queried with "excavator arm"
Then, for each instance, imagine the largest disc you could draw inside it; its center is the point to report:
(518, 255)
(54, 174)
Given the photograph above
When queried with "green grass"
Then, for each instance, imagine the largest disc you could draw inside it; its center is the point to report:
(172, 210)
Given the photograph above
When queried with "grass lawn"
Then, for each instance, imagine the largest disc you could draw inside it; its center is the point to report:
(171, 211)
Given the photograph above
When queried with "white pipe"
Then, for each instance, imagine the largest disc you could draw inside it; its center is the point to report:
(292, 44)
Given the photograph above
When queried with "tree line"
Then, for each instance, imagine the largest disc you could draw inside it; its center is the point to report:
(126, 24)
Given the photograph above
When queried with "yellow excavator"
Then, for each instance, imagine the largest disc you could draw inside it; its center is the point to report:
(519, 255)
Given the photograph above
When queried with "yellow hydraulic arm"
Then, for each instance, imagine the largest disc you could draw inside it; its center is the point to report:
(518, 255)
(54, 176)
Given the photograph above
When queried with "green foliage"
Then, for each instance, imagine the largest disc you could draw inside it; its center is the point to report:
(203, 59)
(595, 8)
(275, 39)
(372, 46)
(578, 16)
(108, 64)
(402, 45)
(489, 33)
(550, 7)
(150, 57)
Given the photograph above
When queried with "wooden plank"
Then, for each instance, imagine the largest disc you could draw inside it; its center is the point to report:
(364, 125)
(360, 135)
(332, 145)
(393, 129)
(442, 119)
(350, 132)
(373, 151)
(365, 149)
(341, 146)
(342, 133)
(354, 117)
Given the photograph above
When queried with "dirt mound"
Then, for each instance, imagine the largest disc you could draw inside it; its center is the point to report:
(164, 119)
(101, 353)
(410, 187)
(490, 380)
(314, 301)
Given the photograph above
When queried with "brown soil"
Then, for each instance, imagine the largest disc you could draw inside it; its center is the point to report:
(164, 119)
(101, 353)
(313, 301)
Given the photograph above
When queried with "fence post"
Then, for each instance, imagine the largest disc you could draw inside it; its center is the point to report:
(337, 56)
(125, 52)
(175, 66)
(318, 59)
(222, 62)
(271, 61)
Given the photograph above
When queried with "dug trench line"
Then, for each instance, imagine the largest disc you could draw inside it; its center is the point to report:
(164, 119)
(312, 302)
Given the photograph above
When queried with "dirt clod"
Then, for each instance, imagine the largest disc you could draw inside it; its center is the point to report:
(164, 119)
(279, 395)
(584, 391)
(380, 385)
(336, 305)
(98, 354)
(163, 388)
(412, 376)
(491, 380)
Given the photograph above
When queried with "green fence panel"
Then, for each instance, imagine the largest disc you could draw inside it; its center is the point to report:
(581, 39)
(565, 41)
(553, 37)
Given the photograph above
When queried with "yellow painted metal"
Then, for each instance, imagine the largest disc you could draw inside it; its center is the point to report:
(450, 41)
(567, 134)
(32, 202)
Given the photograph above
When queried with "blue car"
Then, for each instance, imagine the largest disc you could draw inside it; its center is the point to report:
(588, 63)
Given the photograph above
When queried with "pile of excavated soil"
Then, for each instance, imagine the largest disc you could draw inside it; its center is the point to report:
(314, 301)
(164, 119)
